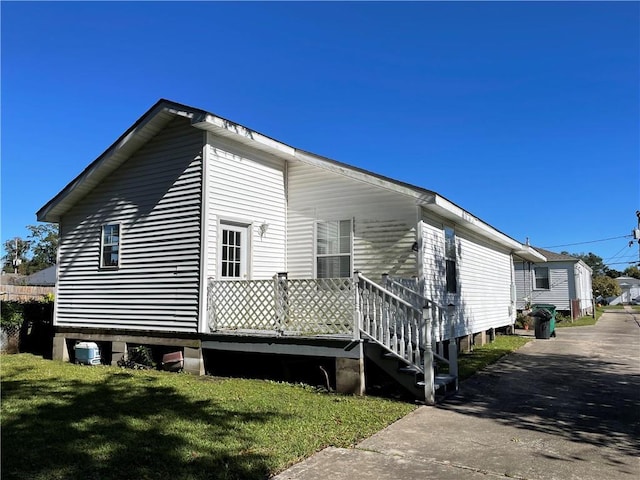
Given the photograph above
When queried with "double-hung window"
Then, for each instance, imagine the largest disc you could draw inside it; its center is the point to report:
(541, 278)
(333, 249)
(450, 260)
(110, 246)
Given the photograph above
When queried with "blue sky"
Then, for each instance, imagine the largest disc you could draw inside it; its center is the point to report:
(525, 114)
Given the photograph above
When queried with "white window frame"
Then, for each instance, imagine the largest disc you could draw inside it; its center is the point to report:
(317, 255)
(451, 289)
(535, 278)
(223, 224)
(104, 244)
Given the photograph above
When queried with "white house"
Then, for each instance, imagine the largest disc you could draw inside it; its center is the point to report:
(196, 232)
(630, 290)
(562, 280)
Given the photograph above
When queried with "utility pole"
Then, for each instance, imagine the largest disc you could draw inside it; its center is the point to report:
(636, 235)
(16, 260)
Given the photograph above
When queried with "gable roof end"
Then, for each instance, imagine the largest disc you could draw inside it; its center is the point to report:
(160, 114)
(135, 137)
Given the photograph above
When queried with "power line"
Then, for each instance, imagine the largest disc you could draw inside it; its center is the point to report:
(590, 241)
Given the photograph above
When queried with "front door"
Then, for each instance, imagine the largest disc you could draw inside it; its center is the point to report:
(234, 252)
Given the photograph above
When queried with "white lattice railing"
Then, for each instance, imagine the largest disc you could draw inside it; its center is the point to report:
(406, 327)
(283, 306)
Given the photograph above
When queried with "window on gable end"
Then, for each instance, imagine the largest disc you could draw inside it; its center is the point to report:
(110, 246)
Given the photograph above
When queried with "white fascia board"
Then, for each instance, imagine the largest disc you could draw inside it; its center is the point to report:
(444, 208)
(530, 254)
(581, 262)
(228, 129)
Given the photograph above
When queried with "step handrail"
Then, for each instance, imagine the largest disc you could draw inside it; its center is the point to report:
(424, 300)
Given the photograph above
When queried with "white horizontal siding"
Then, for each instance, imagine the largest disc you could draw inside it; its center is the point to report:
(584, 288)
(249, 187)
(433, 261)
(156, 198)
(523, 283)
(384, 222)
(484, 277)
(561, 288)
(484, 284)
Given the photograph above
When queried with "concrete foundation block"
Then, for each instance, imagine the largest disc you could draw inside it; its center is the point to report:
(350, 376)
(193, 360)
(118, 351)
(465, 343)
(479, 338)
(60, 350)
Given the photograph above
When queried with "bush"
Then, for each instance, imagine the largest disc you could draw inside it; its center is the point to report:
(12, 314)
(27, 326)
(561, 317)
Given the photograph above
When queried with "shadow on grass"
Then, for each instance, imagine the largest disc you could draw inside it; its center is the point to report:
(110, 430)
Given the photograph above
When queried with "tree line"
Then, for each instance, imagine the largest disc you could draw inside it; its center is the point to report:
(34, 253)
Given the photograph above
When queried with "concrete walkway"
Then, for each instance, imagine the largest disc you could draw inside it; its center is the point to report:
(564, 408)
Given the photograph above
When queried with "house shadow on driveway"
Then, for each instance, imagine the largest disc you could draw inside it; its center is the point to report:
(592, 400)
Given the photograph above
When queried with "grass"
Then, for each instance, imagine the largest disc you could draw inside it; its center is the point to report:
(579, 322)
(63, 421)
(480, 357)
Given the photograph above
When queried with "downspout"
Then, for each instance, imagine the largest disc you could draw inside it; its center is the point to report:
(203, 301)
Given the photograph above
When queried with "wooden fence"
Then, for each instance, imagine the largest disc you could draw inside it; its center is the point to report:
(24, 293)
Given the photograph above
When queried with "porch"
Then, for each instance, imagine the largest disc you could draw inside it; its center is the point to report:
(390, 323)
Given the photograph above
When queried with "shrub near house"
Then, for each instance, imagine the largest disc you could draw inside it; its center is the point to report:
(27, 326)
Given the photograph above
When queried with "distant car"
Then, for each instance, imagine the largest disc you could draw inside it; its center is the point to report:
(635, 301)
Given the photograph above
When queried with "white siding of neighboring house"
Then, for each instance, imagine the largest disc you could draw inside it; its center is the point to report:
(561, 285)
(523, 279)
(155, 196)
(584, 290)
(249, 187)
(384, 222)
(484, 274)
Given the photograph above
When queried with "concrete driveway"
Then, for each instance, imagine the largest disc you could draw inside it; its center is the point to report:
(564, 408)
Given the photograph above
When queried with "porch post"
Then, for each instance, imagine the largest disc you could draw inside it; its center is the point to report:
(429, 389)
(357, 317)
(453, 346)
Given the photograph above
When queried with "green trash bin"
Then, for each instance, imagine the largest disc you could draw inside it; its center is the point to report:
(545, 315)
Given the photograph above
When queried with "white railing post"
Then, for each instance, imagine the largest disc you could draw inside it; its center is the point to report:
(429, 389)
(282, 301)
(357, 317)
(211, 305)
(453, 345)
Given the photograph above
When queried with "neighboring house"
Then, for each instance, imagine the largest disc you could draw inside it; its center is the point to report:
(19, 288)
(630, 290)
(180, 233)
(563, 281)
(45, 277)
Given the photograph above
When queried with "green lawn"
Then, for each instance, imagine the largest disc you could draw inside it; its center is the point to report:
(63, 421)
(469, 363)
